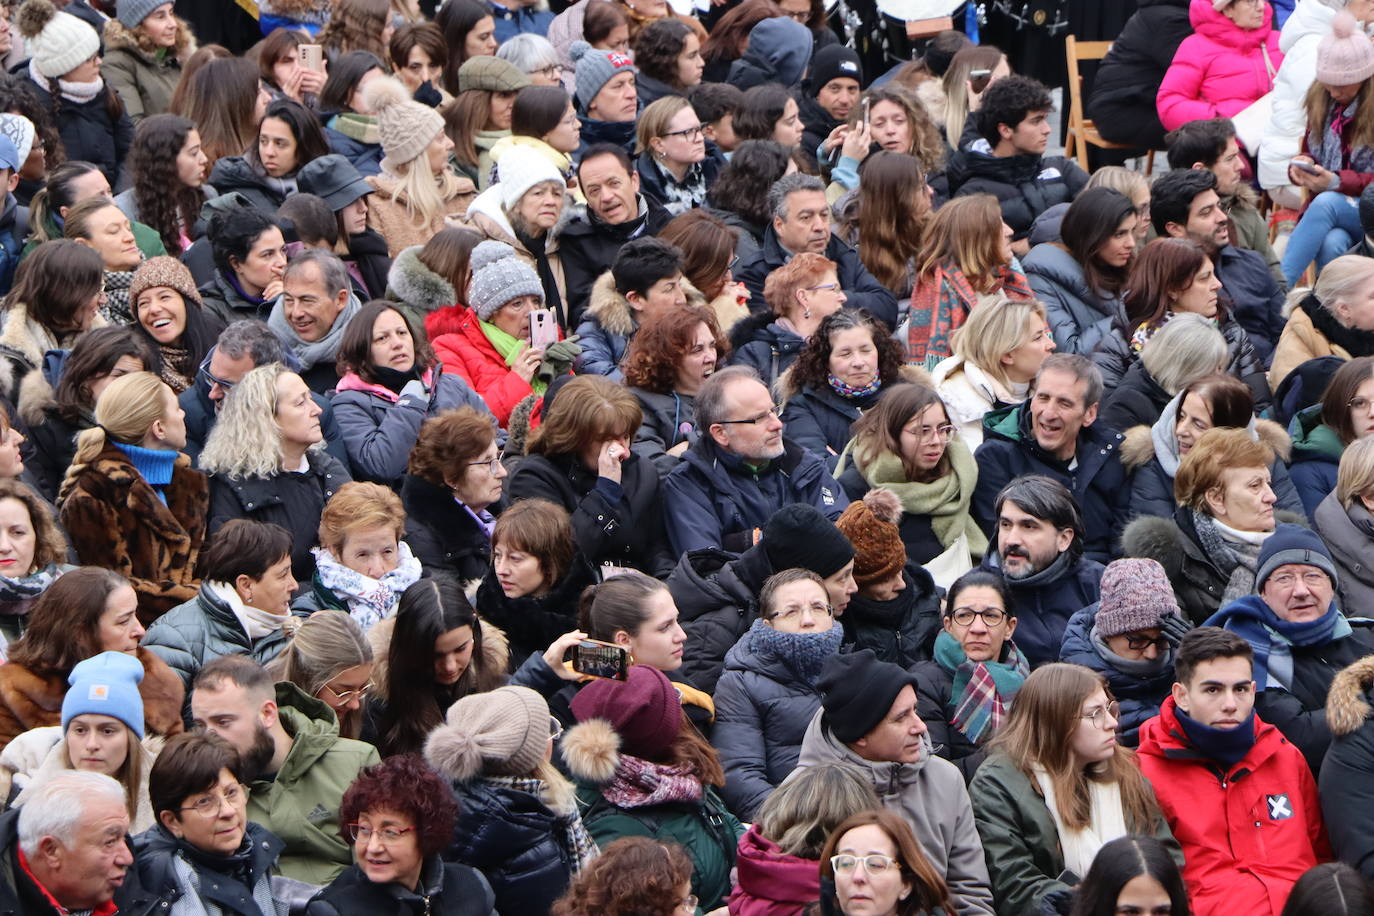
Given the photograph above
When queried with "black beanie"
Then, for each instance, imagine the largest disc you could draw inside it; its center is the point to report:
(800, 536)
(857, 691)
(834, 62)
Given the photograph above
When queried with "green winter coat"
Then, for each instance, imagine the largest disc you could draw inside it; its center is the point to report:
(1020, 840)
(301, 805)
(144, 80)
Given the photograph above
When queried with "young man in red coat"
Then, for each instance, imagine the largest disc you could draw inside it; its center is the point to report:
(1238, 796)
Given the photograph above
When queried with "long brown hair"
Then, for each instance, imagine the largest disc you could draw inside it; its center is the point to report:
(880, 429)
(928, 890)
(967, 231)
(890, 229)
(926, 144)
(733, 28)
(1319, 107)
(64, 624)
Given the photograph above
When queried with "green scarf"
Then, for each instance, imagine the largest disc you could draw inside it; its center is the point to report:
(982, 691)
(508, 348)
(360, 127)
(946, 500)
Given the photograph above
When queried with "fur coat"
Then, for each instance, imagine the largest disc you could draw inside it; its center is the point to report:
(29, 700)
(417, 289)
(116, 521)
(38, 755)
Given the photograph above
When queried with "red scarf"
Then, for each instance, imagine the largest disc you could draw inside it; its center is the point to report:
(941, 304)
(107, 908)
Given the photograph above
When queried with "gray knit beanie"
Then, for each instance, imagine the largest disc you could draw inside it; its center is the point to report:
(498, 276)
(131, 13)
(596, 68)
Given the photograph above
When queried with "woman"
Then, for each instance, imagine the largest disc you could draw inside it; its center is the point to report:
(963, 90)
(250, 257)
(632, 736)
(358, 25)
(840, 373)
(1334, 887)
(85, 612)
(967, 256)
(1344, 521)
(800, 295)
(779, 855)
(1185, 350)
(730, 36)
(288, 137)
(1081, 278)
(399, 816)
(418, 54)
(33, 555)
(1322, 432)
(533, 55)
(536, 574)
(1330, 319)
(897, 122)
(65, 186)
(709, 248)
(887, 217)
(740, 195)
(579, 450)
(668, 55)
(242, 607)
(777, 52)
(203, 835)
(875, 865)
(131, 500)
(1056, 787)
(668, 361)
(769, 112)
(390, 382)
(226, 100)
(330, 659)
(1133, 874)
(100, 225)
(350, 123)
(144, 54)
(169, 314)
(469, 31)
(633, 876)
(281, 70)
(1225, 513)
(543, 119)
(1224, 66)
(674, 168)
(266, 460)
(430, 281)
(343, 195)
(997, 354)
(167, 164)
(480, 116)
(767, 695)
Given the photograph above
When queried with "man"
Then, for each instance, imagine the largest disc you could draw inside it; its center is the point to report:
(1010, 162)
(1184, 204)
(297, 766)
(64, 851)
(616, 212)
(742, 470)
(1052, 433)
(243, 346)
(1211, 145)
(868, 721)
(830, 92)
(644, 281)
(801, 222)
(1239, 799)
(1039, 551)
(1300, 638)
(315, 306)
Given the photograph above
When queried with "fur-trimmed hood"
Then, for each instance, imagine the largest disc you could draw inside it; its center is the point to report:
(1138, 448)
(610, 309)
(591, 750)
(413, 283)
(26, 341)
(1347, 702)
(118, 37)
(493, 661)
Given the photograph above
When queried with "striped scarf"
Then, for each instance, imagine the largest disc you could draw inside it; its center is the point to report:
(578, 841)
(941, 304)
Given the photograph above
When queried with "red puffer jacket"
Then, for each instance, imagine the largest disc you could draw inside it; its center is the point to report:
(1220, 69)
(1247, 834)
(770, 882)
(468, 353)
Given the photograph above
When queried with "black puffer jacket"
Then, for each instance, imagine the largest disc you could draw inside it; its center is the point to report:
(1025, 186)
(53, 442)
(669, 420)
(531, 623)
(446, 889)
(157, 854)
(89, 133)
(587, 248)
(818, 418)
(716, 594)
(1137, 401)
(901, 630)
(1122, 103)
(236, 173)
(934, 689)
(817, 123)
(443, 535)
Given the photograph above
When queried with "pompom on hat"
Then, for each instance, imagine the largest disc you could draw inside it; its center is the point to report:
(871, 526)
(1345, 56)
(596, 68)
(406, 127)
(644, 709)
(498, 277)
(57, 42)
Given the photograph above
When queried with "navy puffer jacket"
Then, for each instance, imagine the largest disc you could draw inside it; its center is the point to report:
(1139, 696)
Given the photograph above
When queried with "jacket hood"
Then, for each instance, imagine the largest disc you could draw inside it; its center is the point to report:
(415, 284)
(1078, 649)
(1208, 21)
(765, 871)
(1156, 538)
(311, 725)
(1308, 20)
(234, 172)
(1139, 447)
(708, 579)
(1312, 438)
(781, 48)
(1055, 264)
(1347, 702)
(610, 309)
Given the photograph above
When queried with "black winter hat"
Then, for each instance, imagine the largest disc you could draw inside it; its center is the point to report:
(800, 536)
(834, 62)
(857, 690)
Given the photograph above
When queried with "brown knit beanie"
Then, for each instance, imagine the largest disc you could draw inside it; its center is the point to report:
(163, 271)
(871, 526)
(508, 727)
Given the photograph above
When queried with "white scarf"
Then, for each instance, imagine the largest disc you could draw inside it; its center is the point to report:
(256, 622)
(1235, 536)
(1107, 821)
(76, 92)
(369, 600)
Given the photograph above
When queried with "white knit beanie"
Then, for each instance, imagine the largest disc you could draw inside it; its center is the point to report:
(57, 41)
(21, 132)
(520, 169)
(406, 127)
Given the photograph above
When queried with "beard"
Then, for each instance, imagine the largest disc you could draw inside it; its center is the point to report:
(1027, 565)
(258, 758)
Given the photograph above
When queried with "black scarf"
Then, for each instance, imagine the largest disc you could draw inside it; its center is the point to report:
(1227, 746)
(1353, 340)
(552, 299)
(237, 867)
(393, 379)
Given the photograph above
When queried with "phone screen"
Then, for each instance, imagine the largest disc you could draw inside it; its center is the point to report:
(596, 659)
(543, 329)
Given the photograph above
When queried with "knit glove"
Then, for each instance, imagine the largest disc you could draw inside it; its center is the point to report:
(558, 359)
(1174, 627)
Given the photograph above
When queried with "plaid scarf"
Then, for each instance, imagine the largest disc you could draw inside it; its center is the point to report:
(941, 304)
(641, 783)
(576, 837)
(982, 690)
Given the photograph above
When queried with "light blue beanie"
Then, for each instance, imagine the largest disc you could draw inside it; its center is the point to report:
(106, 685)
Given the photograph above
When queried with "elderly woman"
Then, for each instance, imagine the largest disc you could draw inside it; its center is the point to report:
(1323, 431)
(32, 555)
(1225, 513)
(330, 659)
(399, 816)
(1330, 319)
(1345, 521)
(800, 295)
(1184, 350)
(580, 458)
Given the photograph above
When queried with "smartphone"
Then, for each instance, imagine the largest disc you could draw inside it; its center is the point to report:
(865, 110)
(978, 80)
(1305, 166)
(312, 57)
(1069, 878)
(600, 659)
(543, 329)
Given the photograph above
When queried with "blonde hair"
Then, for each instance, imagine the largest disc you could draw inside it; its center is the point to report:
(1120, 179)
(356, 507)
(125, 412)
(1338, 282)
(995, 328)
(426, 194)
(246, 440)
(653, 120)
(1187, 348)
(800, 814)
(1356, 475)
(327, 644)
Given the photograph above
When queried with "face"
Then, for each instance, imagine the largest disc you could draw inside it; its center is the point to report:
(697, 364)
(690, 64)
(276, 147)
(395, 862)
(759, 437)
(1298, 593)
(1243, 499)
(1138, 645)
(392, 345)
(18, 541)
(265, 263)
(618, 39)
(825, 298)
(1362, 10)
(682, 141)
(1361, 409)
(518, 571)
(11, 460)
(298, 416)
(479, 485)
(1207, 222)
(162, 313)
(806, 224)
(658, 642)
(514, 316)
(481, 40)
(372, 551)
(723, 132)
(664, 295)
(898, 737)
(419, 69)
(354, 215)
(113, 237)
(618, 100)
(1229, 168)
(224, 368)
(118, 625)
(839, 96)
(86, 72)
(1143, 896)
(540, 206)
(1220, 693)
(1058, 413)
(239, 717)
(122, 367)
(797, 10)
(87, 873)
(890, 126)
(191, 161)
(860, 892)
(800, 607)
(1358, 312)
(1030, 136)
(1246, 14)
(788, 129)
(99, 744)
(840, 587)
(1094, 739)
(1194, 419)
(171, 430)
(612, 193)
(214, 820)
(310, 308)
(1022, 364)
(344, 691)
(91, 184)
(854, 357)
(1200, 297)
(499, 110)
(1028, 544)
(568, 134)
(436, 154)
(452, 655)
(271, 593)
(1117, 250)
(981, 641)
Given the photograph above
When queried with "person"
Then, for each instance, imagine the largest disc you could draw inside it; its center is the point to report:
(224, 96)
(1341, 783)
(1333, 885)
(291, 749)
(85, 612)
(954, 98)
(607, 98)
(1121, 99)
(32, 557)
(629, 737)
(281, 70)
(169, 315)
(800, 295)
(535, 56)
(1322, 432)
(1340, 521)
(668, 55)
(1224, 67)
(898, 122)
(357, 25)
(331, 660)
(350, 123)
(1132, 874)
(778, 52)
(1327, 320)
(469, 31)
(675, 167)
(830, 92)
(1039, 551)
(730, 36)
(801, 223)
(520, 826)
(868, 720)
(1300, 638)
(313, 313)
(288, 136)
(1188, 348)
(344, 194)
(714, 498)
(167, 164)
(430, 282)
(204, 851)
(544, 119)
(767, 692)
(874, 862)
(740, 195)
(769, 112)
(1050, 432)
(399, 815)
(250, 255)
(644, 281)
(145, 50)
(841, 372)
(63, 187)
(633, 875)
(97, 223)
(708, 247)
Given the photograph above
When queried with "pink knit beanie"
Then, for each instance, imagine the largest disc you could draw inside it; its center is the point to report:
(1346, 56)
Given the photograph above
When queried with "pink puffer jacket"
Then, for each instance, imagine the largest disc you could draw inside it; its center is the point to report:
(1220, 69)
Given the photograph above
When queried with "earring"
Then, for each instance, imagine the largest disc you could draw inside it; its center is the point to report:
(806, 311)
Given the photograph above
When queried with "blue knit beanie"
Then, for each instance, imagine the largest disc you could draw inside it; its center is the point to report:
(106, 685)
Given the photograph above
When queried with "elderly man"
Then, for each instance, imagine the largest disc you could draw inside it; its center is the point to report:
(742, 471)
(315, 306)
(801, 222)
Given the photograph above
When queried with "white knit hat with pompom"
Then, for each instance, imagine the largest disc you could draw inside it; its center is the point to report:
(58, 42)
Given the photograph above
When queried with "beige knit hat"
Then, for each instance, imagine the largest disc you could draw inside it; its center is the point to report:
(504, 732)
(406, 126)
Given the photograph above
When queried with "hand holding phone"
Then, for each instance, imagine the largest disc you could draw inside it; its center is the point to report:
(1305, 166)
(594, 658)
(543, 329)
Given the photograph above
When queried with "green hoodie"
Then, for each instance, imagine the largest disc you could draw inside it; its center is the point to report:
(1312, 436)
(301, 805)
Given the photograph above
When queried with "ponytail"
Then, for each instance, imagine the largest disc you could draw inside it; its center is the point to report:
(89, 444)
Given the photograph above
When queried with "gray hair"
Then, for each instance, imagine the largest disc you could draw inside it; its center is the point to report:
(250, 338)
(1082, 370)
(790, 184)
(1048, 500)
(332, 271)
(528, 53)
(710, 406)
(1187, 348)
(56, 807)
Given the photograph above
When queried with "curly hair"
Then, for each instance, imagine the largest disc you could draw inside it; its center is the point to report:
(813, 362)
(20, 96)
(657, 47)
(161, 199)
(652, 359)
(632, 876)
(246, 440)
(926, 143)
(742, 186)
(357, 25)
(1010, 101)
(404, 784)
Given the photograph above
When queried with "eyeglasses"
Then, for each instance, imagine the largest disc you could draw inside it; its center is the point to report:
(874, 864)
(1100, 713)
(770, 413)
(815, 610)
(828, 287)
(209, 805)
(212, 380)
(688, 903)
(555, 728)
(943, 433)
(992, 616)
(1137, 643)
(691, 133)
(347, 696)
(493, 466)
(1312, 579)
(1358, 404)
(802, 16)
(388, 835)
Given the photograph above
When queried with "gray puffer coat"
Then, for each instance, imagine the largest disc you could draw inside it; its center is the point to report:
(1079, 319)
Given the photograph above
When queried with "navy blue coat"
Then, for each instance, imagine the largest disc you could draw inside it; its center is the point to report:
(716, 594)
(366, 157)
(770, 350)
(819, 418)
(1256, 301)
(1139, 697)
(862, 288)
(1045, 602)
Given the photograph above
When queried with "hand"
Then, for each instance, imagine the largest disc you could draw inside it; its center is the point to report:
(857, 144)
(292, 85)
(558, 651)
(312, 81)
(608, 460)
(527, 362)
(835, 138)
(1320, 181)
(273, 290)
(677, 451)
(1174, 627)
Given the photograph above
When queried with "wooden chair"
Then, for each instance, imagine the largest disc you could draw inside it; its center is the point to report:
(1082, 132)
